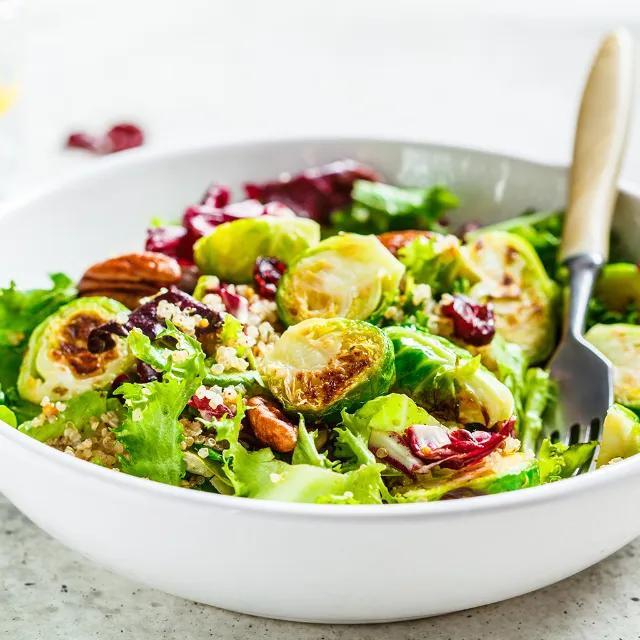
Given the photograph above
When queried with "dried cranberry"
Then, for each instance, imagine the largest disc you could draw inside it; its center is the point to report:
(317, 192)
(168, 240)
(216, 196)
(146, 373)
(146, 319)
(122, 137)
(83, 141)
(118, 138)
(267, 273)
(120, 380)
(207, 412)
(473, 322)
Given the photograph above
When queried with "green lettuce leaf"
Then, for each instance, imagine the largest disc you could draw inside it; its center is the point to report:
(393, 412)
(8, 416)
(538, 392)
(151, 432)
(306, 451)
(20, 313)
(557, 461)
(433, 261)
(379, 207)
(599, 313)
(250, 380)
(258, 474)
(531, 389)
(79, 411)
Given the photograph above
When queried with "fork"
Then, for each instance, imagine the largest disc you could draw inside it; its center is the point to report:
(584, 376)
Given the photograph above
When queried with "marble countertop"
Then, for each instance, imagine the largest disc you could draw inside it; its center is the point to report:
(200, 70)
(48, 592)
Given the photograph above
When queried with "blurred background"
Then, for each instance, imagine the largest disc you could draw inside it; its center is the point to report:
(499, 74)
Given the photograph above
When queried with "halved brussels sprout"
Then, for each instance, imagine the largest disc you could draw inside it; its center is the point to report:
(345, 276)
(620, 435)
(447, 380)
(320, 367)
(231, 250)
(57, 362)
(618, 291)
(511, 277)
(620, 343)
(494, 475)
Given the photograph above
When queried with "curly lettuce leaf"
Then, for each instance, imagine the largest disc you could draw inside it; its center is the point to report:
(250, 380)
(393, 412)
(22, 409)
(379, 207)
(258, 474)
(151, 432)
(306, 451)
(434, 261)
(599, 313)
(531, 389)
(20, 313)
(557, 461)
(538, 394)
(8, 416)
(78, 411)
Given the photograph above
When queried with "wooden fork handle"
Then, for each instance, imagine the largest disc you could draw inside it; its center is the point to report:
(600, 141)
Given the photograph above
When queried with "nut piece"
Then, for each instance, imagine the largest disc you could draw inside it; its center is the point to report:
(395, 240)
(130, 277)
(271, 426)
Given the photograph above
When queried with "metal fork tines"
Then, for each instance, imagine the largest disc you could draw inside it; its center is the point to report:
(583, 375)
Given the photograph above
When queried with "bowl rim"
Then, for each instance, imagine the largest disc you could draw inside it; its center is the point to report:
(618, 472)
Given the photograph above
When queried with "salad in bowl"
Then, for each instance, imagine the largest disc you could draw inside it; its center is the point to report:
(329, 339)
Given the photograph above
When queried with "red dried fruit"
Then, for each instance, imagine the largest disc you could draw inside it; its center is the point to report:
(122, 137)
(216, 196)
(317, 192)
(145, 318)
(170, 240)
(207, 412)
(473, 321)
(119, 138)
(83, 141)
(267, 273)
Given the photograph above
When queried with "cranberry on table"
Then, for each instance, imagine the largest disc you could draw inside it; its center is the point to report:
(119, 138)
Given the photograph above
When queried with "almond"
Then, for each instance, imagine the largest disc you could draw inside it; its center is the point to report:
(130, 277)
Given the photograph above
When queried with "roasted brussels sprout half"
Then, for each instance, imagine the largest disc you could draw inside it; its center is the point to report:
(620, 435)
(616, 296)
(320, 367)
(57, 362)
(620, 343)
(494, 475)
(447, 380)
(231, 250)
(511, 277)
(345, 276)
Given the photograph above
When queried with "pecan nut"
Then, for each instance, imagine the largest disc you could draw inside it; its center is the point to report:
(271, 426)
(130, 277)
(395, 240)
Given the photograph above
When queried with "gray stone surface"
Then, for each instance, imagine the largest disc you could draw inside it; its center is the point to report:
(49, 592)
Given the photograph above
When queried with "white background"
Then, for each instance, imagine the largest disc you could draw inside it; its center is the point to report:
(503, 75)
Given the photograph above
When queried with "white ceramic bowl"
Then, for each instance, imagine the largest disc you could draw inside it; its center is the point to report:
(323, 563)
